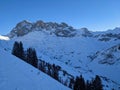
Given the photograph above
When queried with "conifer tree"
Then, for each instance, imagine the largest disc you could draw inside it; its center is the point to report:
(97, 83)
(32, 57)
(55, 72)
(21, 51)
(15, 49)
(71, 83)
(88, 85)
(79, 83)
(18, 50)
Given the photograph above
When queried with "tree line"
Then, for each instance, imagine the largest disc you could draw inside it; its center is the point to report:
(53, 70)
(94, 84)
(28, 56)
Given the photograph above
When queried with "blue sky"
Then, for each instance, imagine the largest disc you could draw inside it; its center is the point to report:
(96, 15)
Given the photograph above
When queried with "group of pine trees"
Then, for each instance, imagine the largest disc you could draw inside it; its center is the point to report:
(28, 56)
(94, 84)
(18, 50)
(52, 70)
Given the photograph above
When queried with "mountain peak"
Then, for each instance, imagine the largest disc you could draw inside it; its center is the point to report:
(23, 23)
(21, 29)
(24, 27)
(85, 32)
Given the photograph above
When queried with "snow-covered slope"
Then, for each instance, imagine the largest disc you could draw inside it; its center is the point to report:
(109, 56)
(18, 75)
(78, 51)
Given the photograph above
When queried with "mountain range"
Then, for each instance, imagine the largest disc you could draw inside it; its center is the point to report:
(77, 51)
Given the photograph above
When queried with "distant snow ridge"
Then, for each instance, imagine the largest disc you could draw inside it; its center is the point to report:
(109, 56)
(109, 35)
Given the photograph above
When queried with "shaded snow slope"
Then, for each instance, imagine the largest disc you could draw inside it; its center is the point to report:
(18, 75)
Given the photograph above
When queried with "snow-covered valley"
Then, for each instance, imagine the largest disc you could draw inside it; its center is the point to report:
(77, 51)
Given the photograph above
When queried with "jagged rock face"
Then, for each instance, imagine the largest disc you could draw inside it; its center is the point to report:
(86, 32)
(24, 27)
(21, 29)
(39, 24)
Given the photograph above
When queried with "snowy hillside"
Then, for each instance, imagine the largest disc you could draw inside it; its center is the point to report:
(109, 56)
(18, 75)
(77, 51)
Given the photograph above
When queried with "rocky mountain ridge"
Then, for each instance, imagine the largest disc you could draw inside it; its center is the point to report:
(61, 30)
(24, 27)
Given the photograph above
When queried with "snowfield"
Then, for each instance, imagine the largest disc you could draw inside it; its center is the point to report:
(15, 74)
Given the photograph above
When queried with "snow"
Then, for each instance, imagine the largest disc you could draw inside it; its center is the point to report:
(111, 65)
(15, 74)
(72, 53)
(4, 38)
(111, 72)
